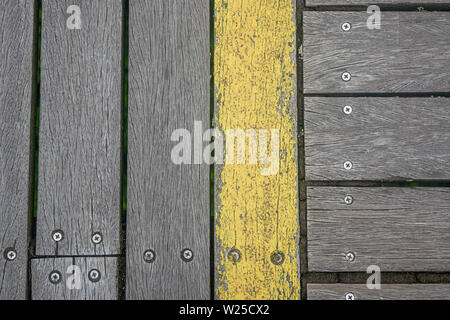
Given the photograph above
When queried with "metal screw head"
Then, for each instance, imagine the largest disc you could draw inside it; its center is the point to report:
(346, 26)
(350, 256)
(10, 254)
(346, 76)
(277, 258)
(234, 255)
(57, 235)
(187, 255)
(348, 199)
(348, 165)
(349, 296)
(55, 277)
(97, 238)
(149, 256)
(94, 275)
(348, 109)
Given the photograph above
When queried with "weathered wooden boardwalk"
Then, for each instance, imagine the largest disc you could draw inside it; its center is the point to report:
(113, 184)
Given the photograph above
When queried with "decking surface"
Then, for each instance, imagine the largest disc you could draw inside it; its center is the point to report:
(97, 202)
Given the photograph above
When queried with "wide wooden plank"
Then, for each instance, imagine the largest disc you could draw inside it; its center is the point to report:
(312, 3)
(74, 279)
(397, 229)
(409, 53)
(256, 202)
(16, 49)
(381, 138)
(387, 292)
(168, 203)
(80, 129)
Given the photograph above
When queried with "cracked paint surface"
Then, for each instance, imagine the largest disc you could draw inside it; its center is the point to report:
(255, 88)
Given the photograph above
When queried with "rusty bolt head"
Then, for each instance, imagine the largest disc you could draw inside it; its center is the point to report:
(149, 256)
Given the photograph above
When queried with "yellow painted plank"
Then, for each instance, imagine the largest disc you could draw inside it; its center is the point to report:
(256, 213)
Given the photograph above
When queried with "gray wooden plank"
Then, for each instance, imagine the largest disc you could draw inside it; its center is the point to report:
(16, 50)
(80, 129)
(312, 3)
(410, 53)
(168, 204)
(383, 138)
(105, 287)
(397, 229)
(387, 292)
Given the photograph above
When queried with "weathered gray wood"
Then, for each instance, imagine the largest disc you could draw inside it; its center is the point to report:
(106, 288)
(384, 138)
(410, 53)
(312, 3)
(80, 128)
(397, 229)
(16, 51)
(387, 292)
(168, 204)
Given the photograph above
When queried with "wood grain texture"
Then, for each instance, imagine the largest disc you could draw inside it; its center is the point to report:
(384, 138)
(16, 50)
(312, 3)
(410, 53)
(168, 204)
(256, 204)
(80, 128)
(397, 229)
(104, 289)
(387, 292)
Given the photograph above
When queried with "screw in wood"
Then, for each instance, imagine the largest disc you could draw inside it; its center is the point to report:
(55, 277)
(10, 254)
(346, 76)
(187, 255)
(348, 199)
(97, 238)
(348, 165)
(234, 255)
(277, 258)
(94, 275)
(149, 256)
(346, 26)
(349, 296)
(348, 110)
(57, 235)
(350, 256)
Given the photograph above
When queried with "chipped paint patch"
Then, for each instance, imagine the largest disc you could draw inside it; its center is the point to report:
(255, 88)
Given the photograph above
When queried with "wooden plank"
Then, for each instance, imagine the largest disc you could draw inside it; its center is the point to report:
(397, 229)
(16, 50)
(387, 292)
(383, 138)
(256, 203)
(74, 279)
(168, 204)
(80, 129)
(312, 3)
(410, 53)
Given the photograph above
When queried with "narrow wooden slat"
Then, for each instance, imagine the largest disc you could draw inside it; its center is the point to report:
(397, 229)
(409, 53)
(70, 270)
(256, 210)
(80, 128)
(312, 3)
(383, 138)
(168, 204)
(387, 292)
(16, 50)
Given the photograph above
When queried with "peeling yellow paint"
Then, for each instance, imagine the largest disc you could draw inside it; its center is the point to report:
(255, 76)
